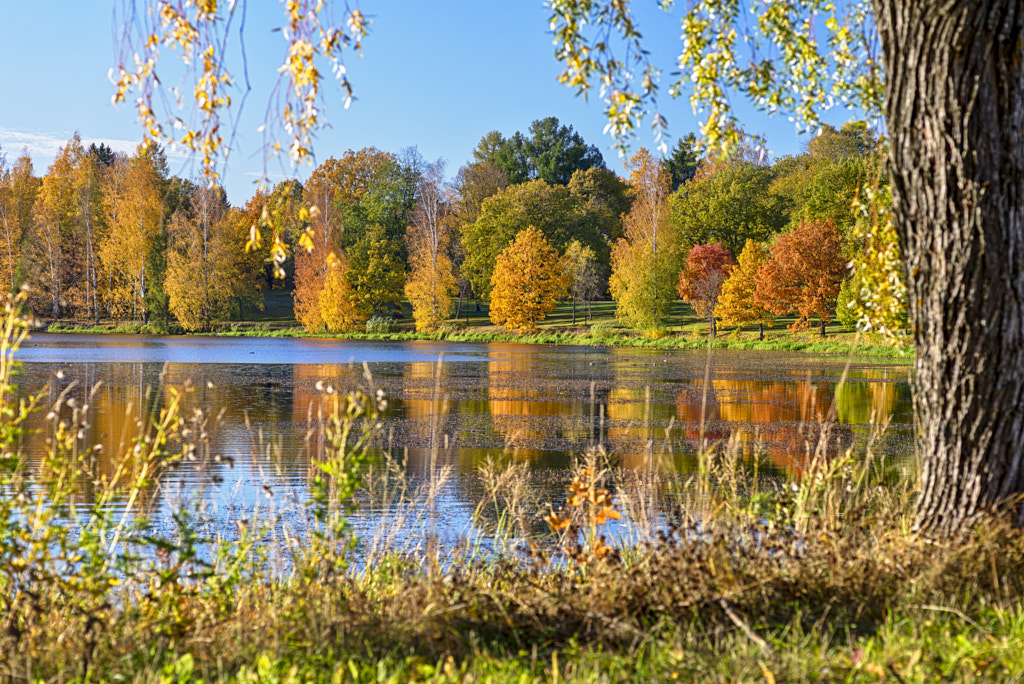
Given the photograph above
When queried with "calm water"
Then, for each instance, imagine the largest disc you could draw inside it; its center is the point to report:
(541, 404)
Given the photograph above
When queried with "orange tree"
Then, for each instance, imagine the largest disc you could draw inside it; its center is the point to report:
(737, 304)
(804, 273)
(529, 278)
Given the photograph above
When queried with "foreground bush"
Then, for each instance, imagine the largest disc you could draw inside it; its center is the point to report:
(735, 578)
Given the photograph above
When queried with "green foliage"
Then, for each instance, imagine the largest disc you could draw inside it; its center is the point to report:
(554, 210)
(379, 325)
(602, 330)
(552, 153)
(607, 197)
(826, 181)
(846, 312)
(683, 161)
(797, 57)
(586, 281)
(388, 201)
(732, 203)
(375, 274)
(642, 284)
(877, 297)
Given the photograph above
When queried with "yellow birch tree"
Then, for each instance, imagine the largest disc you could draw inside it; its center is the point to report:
(644, 262)
(431, 284)
(133, 224)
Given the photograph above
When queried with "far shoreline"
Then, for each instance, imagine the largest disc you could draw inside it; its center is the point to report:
(789, 342)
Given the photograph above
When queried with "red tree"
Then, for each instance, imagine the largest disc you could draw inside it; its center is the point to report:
(700, 283)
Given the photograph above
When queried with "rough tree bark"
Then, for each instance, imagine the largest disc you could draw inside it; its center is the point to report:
(955, 117)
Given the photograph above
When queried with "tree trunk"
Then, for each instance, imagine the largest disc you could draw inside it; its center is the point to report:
(760, 331)
(822, 328)
(574, 312)
(955, 116)
(713, 330)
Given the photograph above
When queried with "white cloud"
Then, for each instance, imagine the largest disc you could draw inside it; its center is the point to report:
(46, 144)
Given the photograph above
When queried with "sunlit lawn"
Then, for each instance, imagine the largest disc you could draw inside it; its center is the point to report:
(279, 313)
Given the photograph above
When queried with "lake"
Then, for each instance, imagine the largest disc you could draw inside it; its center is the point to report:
(538, 405)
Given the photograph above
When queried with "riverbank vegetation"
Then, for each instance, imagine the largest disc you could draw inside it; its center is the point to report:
(105, 239)
(732, 572)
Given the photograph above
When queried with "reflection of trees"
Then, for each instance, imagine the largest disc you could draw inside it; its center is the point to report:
(785, 421)
(870, 402)
(310, 402)
(521, 420)
(636, 426)
(426, 408)
(864, 403)
(121, 402)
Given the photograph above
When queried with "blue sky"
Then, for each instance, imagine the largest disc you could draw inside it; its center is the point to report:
(437, 75)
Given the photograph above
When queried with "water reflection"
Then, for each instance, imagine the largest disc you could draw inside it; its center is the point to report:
(542, 404)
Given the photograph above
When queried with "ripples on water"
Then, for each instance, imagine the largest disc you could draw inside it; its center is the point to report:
(538, 404)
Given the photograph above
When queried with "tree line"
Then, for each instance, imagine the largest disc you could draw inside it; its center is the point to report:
(110, 235)
(531, 220)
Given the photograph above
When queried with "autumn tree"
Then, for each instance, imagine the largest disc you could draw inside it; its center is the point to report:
(135, 216)
(283, 212)
(205, 279)
(329, 186)
(54, 216)
(700, 282)
(18, 187)
(554, 210)
(584, 274)
(431, 284)
(473, 183)
(803, 274)
(337, 303)
(876, 292)
(955, 168)
(737, 304)
(645, 262)
(529, 279)
(388, 201)
(91, 228)
(7, 223)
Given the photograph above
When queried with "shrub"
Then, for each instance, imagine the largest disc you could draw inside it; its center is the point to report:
(379, 325)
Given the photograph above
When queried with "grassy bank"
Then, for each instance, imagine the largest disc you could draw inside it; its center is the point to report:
(729, 576)
(687, 332)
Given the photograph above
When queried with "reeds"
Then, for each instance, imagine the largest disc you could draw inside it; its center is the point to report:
(724, 573)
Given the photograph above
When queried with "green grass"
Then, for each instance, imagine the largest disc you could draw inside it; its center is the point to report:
(683, 331)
